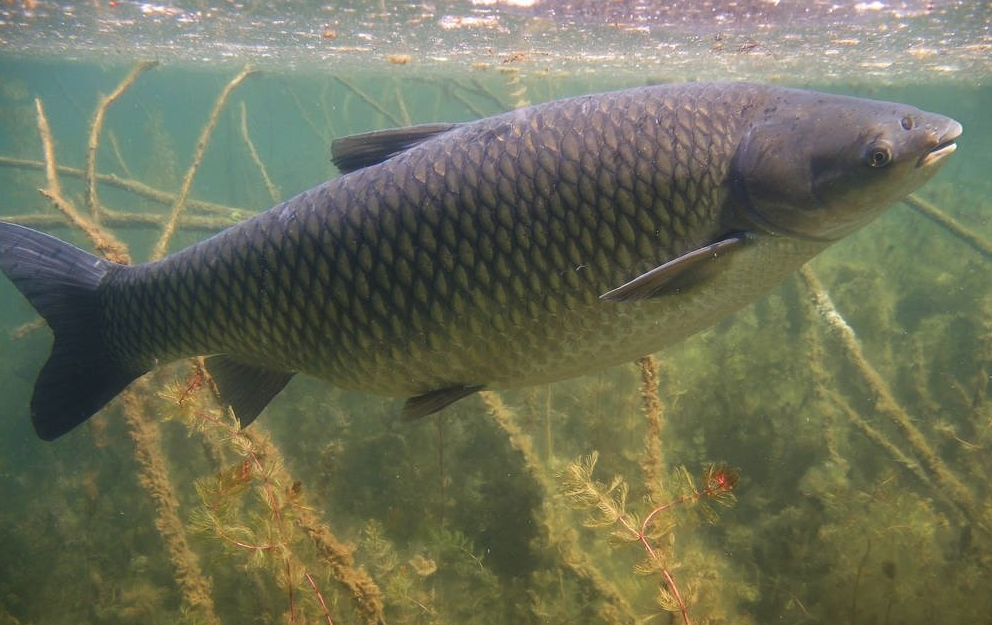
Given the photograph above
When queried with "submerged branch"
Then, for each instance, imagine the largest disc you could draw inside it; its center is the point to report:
(198, 223)
(559, 532)
(201, 148)
(945, 221)
(126, 184)
(395, 121)
(96, 126)
(196, 588)
(269, 185)
(885, 402)
(108, 245)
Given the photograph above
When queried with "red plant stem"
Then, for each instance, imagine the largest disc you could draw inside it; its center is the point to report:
(320, 598)
(276, 513)
(681, 500)
(642, 538)
(274, 506)
(669, 580)
(292, 594)
(238, 543)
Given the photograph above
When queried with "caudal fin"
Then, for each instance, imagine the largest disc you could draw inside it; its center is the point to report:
(61, 282)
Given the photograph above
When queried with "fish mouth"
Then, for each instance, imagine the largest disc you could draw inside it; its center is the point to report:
(945, 146)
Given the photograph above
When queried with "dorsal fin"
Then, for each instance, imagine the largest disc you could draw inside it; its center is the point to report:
(371, 148)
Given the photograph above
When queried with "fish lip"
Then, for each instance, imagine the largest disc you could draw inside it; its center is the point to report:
(944, 147)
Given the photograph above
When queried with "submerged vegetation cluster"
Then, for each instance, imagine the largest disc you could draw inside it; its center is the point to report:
(862, 420)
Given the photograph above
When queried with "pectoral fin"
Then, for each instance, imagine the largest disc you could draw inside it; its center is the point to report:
(431, 402)
(679, 273)
(247, 389)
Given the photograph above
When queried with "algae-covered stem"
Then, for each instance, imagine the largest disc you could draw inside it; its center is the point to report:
(126, 184)
(887, 405)
(831, 399)
(877, 437)
(161, 248)
(560, 534)
(945, 221)
(196, 588)
(105, 242)
(188, 223)
(96, 126)
(118, 154)
(653, 463)
(366, 594)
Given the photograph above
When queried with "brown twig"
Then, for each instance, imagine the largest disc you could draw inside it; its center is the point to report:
(96, 126)
(306, 117)
(945, 221)
(129, 220)
(401, 103)
(201, 147)
(134, 186)
(48, 147)
(395, 121)
(108, 245)
(118, 155)
(272, 189)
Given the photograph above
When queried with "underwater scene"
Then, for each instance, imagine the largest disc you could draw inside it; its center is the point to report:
(822, 456)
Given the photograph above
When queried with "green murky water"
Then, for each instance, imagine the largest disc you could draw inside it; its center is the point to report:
(863, 495)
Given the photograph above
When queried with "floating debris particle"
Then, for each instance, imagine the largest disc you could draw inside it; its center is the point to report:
(454, 22)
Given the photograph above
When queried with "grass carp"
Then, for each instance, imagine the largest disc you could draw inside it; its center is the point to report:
(527, 247)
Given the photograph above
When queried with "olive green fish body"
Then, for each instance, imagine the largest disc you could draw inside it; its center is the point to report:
(528, 247)
(477, 258)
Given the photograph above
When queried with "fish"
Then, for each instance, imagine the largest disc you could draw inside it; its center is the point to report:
(528, 247)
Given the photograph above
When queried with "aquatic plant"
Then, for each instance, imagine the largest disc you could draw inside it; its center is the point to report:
(654, 533)
(255, 508)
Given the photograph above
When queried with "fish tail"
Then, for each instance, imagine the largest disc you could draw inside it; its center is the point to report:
(62, 282)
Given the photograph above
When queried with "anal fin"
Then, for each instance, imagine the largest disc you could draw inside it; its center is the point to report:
(679, 273)
(433, 401)
(247, 389)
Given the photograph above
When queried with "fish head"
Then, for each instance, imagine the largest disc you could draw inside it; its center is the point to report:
(823, 166)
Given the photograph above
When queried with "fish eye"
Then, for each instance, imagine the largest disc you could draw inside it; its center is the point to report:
(879, 155)
(907, 123)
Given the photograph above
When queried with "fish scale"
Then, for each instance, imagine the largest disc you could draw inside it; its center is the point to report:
(527, 247)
